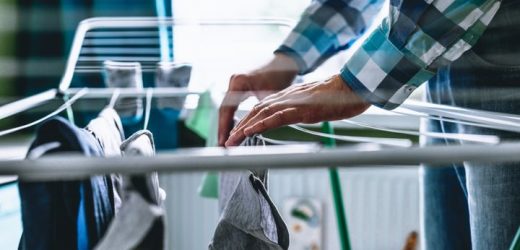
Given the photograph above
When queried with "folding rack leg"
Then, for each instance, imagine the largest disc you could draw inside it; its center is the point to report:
(337, 196)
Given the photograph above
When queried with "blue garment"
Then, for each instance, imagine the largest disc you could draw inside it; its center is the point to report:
(65, 214)
(476, 205)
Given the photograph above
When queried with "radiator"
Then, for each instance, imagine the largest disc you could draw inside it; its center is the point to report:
(382, 206)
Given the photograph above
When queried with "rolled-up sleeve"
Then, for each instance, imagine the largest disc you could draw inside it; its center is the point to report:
(327, 27)
(411, 43)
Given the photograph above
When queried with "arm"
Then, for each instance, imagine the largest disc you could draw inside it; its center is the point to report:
(327, 27)
(403, 52)
(411, 43)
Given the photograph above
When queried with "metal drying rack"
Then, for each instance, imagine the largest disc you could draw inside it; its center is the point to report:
(138, 39)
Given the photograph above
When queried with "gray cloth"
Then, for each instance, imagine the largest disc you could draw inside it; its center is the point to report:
(125, 75)
(141, 144)
(108, 130)
(140, 221)
(172, 75)
(249, 219)
(131, 225)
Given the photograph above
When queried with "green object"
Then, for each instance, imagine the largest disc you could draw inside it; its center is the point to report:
(209, 186)
(203, 121)
(202, 118)
(515, 245)
(337, 196)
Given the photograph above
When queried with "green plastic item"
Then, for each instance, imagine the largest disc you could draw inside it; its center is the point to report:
(209, 186)
(203, 121)
(515, 245)
(335, 184)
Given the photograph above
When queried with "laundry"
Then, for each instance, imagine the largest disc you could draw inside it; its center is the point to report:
(108, 130)
(140, 221)
(65, 214)
(249, 219)
(172, 75)
(126, 75)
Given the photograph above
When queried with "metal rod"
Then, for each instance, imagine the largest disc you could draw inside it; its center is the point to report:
(106, 93)
(148, 22)
(490, 139)
(473, 116)
(272, 157)
(26, 103)
(394, 142)
(506, 116)
(68, 103)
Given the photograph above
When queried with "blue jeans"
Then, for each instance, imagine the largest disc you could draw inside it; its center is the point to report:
(475, 205)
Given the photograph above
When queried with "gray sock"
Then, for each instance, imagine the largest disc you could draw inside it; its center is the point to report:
(172, 75)
(125, 75)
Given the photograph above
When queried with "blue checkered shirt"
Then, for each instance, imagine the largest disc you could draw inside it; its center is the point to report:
(404, 51)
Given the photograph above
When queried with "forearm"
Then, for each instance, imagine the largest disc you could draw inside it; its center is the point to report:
(407, 49)
(281, 67)
(327, 27)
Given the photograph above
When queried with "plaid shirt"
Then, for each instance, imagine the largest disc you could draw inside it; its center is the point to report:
(405, 50)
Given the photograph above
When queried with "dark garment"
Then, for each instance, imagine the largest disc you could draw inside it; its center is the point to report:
(139, 224)
(476, 205)
(249, 219)
(108, 130)
(65, 214)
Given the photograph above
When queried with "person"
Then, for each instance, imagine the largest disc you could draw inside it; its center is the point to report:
(466, 51)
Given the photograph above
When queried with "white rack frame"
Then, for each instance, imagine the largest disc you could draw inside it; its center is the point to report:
(275, 157)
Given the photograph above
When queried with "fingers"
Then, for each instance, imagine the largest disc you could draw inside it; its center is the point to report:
(237, 93)
(269, 118)
(278, 119)
(269, 106)
(258, 113)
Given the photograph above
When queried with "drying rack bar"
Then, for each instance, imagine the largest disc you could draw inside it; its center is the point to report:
(92, 24)
(27, 103)
(24, 104)
(104, 93)
(242, 158)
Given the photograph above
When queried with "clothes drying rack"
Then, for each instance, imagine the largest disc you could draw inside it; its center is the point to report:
(133, 43)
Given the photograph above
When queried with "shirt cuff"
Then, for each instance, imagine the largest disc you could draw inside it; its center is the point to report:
(382, 74)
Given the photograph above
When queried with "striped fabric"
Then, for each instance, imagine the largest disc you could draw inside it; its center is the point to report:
(416, 38)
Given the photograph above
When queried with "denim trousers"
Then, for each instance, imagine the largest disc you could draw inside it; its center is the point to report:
(475, 205)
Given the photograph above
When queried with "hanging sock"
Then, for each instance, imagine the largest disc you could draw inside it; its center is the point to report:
(126, 75)
(172, 75)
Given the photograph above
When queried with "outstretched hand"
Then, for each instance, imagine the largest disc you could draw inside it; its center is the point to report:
(314, 102)
(270, 78)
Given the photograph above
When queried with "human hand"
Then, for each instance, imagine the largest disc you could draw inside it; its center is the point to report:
(327, 100)
(271, 78)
